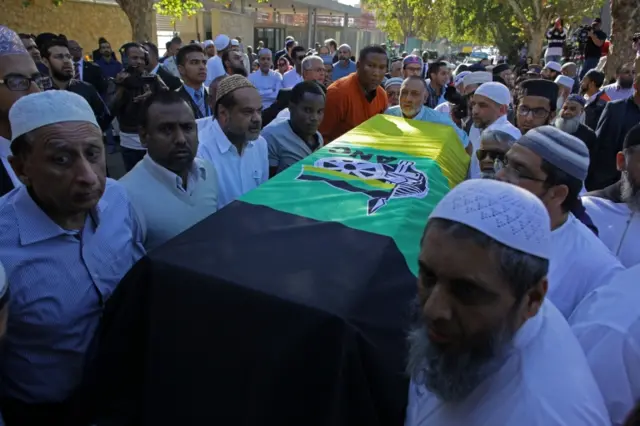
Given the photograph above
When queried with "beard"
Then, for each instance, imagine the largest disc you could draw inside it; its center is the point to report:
(452, 377)
(630, 192)
(488, 174)
(568, 125)
(626, 83)
(61, 75)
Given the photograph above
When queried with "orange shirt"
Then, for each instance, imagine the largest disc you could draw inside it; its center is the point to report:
(347, 107)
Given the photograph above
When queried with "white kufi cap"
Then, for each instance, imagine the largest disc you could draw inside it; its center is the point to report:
(497, 92)
(50, 107)
(221, 42)
(460, 77)
(554, 66)
(504, 212)
(477, 77)
(565, 81)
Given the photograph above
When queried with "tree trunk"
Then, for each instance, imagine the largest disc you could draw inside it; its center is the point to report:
(625, 15)
(140, 14)
(535, 46)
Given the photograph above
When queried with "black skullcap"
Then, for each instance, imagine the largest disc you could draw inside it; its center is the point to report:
(539, 87)
(499, 68)
(632, 138)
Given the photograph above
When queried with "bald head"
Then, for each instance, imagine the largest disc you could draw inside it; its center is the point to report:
(569, 69)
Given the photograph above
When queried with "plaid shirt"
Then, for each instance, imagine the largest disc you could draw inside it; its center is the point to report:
(434, 99)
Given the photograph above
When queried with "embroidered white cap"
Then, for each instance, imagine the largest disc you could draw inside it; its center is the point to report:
(50, 107)
(507, 213)
(221, 42)
(553, 66)
(565, 81)
(497, 92)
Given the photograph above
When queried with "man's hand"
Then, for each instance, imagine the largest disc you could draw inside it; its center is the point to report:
(142, 97)
(121, 76)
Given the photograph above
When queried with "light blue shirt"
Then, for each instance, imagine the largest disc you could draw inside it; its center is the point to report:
(433, 116)
(268, 86)
(237, 174)
(59, 282)
(339, 71)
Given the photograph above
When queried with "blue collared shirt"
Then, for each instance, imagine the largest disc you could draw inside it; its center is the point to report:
(109, 69)
(200, 100)
(428, 114)
(59, 282)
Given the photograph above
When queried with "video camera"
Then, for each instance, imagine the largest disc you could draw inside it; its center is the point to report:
(460, 108)
(582, 33)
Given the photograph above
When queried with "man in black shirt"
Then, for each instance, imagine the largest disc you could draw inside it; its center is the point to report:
(593, 47)
(59, 61)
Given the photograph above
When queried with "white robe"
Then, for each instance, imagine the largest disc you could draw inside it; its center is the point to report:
(607, 324)
(618, 228)
(580, 263)
(544, 381)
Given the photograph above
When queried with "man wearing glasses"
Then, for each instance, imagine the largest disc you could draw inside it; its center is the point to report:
(552, 165)
(537, 101)
(18, 77)
(294, 75)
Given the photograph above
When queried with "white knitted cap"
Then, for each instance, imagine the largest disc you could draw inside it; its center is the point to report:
(565, 81)
(50, 107)
(477, 77)
(554, 66)
(497, 92)
(221, 42)
(507, 213)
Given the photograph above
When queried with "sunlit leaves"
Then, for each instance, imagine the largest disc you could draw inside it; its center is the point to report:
(177, 9)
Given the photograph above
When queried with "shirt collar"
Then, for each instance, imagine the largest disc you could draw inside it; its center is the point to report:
(222, 142)
(34, 225)
(169, 177)
(191, 91)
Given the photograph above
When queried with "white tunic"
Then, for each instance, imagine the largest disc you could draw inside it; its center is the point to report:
(618, 228)
(291, 78)
(237, 174)
(544, 381)
(607, 324)
(501, 124)
(580, 263)
(268, 85)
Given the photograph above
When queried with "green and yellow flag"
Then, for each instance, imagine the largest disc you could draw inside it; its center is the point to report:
(385, 176)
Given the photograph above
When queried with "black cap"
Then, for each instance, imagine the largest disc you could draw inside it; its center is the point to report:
(540, 87)
(499, 68)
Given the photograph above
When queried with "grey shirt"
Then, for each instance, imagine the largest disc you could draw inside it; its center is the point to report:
(285, 147)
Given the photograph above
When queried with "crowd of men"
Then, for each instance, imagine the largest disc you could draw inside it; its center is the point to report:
(526, 301)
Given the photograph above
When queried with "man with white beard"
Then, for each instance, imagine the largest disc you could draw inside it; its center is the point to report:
(616, 209)
(565, 85)
(486, 349)
(570, 121)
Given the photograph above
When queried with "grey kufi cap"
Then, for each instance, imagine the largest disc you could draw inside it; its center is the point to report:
(564, 151)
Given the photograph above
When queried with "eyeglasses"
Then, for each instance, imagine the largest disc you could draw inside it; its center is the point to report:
(524, 110)
(515, 175)
(299, 57)
(481, 154)
(20, 83)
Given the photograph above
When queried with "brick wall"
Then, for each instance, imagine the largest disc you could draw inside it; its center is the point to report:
(81, 21)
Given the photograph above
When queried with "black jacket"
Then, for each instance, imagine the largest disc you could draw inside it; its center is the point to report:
(92, 74)
(90, 94)
(282, 102)
(593, 111)
(617, 119)
(196, 111)
(588, 136)
(172, 82)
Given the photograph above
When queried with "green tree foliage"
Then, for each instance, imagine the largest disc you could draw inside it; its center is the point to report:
(402, 19)
(177, 9)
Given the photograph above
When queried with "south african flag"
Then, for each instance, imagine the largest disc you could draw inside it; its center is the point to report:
(289, 306)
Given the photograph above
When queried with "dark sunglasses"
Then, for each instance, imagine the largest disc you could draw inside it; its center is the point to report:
(481, 154)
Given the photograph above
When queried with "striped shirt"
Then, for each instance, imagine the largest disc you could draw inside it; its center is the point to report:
(555, 41)
(59, 282)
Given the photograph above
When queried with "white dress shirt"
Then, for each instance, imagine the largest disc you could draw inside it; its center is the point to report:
(501, 124)
(215, 69)
(5, 152)
(579, 264)
(607, 324)
(291, 78)
(544, 380)
(237, 174)
(268, 85)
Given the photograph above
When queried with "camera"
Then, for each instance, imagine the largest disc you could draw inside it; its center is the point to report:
(582, 33)
(460, 108)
